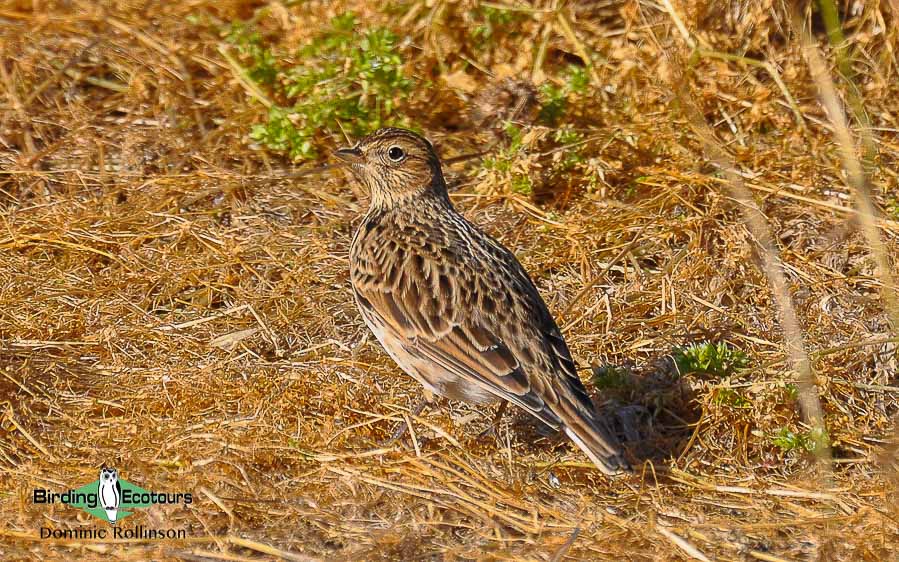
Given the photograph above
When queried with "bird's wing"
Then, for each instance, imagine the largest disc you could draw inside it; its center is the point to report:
(460, 346)
(104, 497)
(489, 326)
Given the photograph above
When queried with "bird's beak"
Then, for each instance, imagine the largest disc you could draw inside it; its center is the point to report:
(349, 155)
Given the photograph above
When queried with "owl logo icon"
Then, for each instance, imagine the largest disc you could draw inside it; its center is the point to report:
(109, 491)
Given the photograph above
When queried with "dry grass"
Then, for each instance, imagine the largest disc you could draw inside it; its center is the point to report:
(172, 305)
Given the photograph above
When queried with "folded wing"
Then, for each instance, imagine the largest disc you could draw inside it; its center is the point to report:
(488, 328)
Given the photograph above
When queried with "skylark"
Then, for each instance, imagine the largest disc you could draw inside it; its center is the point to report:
(451, 305)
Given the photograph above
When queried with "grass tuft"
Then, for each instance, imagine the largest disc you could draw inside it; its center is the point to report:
(555, 98)
(809, 441)
(611, 377)
(719, 359)
(732, 398)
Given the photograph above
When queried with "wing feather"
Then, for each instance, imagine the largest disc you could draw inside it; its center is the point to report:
(419, 314)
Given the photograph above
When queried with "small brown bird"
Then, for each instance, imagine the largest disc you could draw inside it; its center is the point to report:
(451, 305)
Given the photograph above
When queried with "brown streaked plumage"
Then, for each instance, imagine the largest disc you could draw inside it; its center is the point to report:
(451, 305)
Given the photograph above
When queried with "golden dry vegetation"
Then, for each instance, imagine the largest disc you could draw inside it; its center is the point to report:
(174, 295)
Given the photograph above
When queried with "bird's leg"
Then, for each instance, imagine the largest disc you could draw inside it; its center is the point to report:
(498, 417)
(403, 427)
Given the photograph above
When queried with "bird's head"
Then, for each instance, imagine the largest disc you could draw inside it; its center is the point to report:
(396, 165)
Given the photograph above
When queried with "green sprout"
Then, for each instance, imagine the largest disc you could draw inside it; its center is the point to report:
(788, 440)
(572, 156)
(892, 208)
(263, 66)
(732, 398)
(522, 184)
(490, 21)
(555, 98)
(792, 392)
(710, 358)
(502, 163)
(609, 377)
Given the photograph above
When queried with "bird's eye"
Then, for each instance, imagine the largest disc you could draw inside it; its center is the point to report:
(396, 153)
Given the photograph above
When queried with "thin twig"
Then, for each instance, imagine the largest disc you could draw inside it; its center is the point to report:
(774, 271)
(856, 176)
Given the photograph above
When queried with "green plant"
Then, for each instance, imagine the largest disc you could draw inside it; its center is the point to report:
(610, 377)
(342, 80)
(500, 164)
(514, 133)
(553, 102)
(503, 162)
(571, 156)
(263, 66)
(788, 440)
(732, 398)
(522, 184)
(892, 208)
(490, 20)
(711, 358)
(567, 135)
(554, 98)
(792, 392)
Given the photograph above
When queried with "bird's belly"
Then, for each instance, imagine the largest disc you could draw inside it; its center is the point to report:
(456, 388)
(108, 497)
(432, 376)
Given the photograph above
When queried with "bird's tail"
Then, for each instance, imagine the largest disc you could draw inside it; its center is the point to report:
(111, 514)
(597, 441)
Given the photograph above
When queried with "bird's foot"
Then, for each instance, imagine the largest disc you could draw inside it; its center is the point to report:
(404, 425)
(493, 429)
